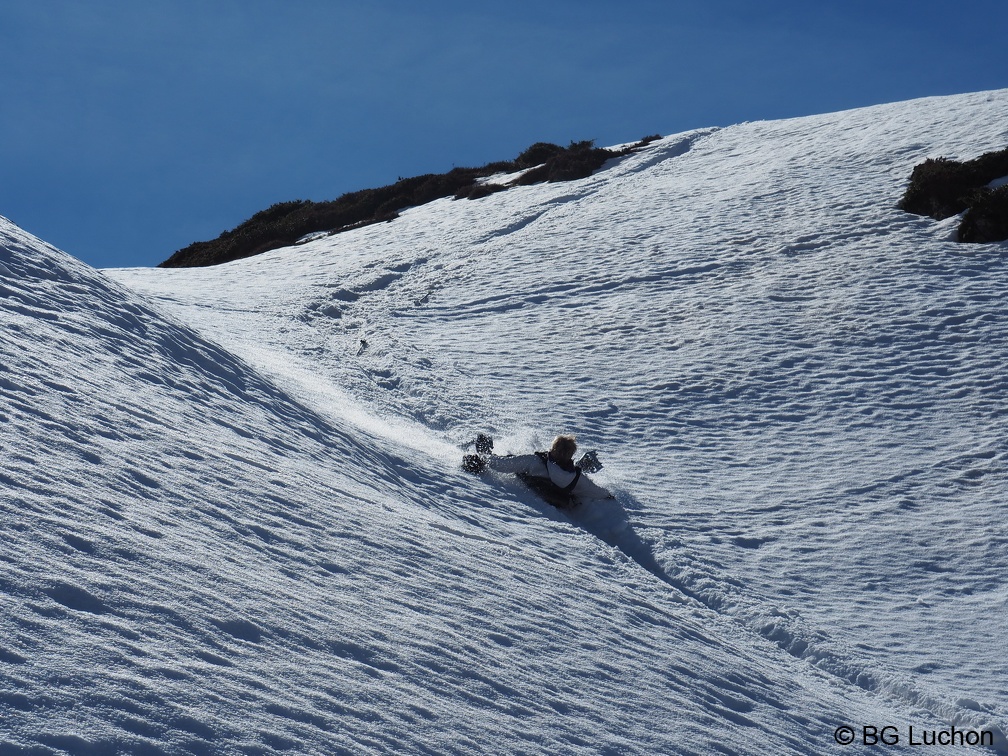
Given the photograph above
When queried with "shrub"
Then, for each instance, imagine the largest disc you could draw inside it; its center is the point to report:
(478, 191)
(986, 220)
(941, 188)
(282, 224)
(579, 160)
(537, 154)
(938, 188)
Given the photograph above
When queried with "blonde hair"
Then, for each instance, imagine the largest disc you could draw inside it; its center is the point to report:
(563, 447)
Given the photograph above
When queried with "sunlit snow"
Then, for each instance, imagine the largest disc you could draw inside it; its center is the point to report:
(234, 521)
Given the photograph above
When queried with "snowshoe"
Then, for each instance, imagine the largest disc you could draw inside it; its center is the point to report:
(589, 463)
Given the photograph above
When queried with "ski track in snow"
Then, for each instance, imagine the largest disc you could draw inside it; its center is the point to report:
(234, 522)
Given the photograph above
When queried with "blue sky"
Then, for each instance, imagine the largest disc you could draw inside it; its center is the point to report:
(130, 129)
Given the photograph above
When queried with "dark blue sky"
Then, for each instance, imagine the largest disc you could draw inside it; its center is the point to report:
(130, 129)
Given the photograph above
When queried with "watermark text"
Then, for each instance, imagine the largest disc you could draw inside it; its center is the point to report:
(874, 735)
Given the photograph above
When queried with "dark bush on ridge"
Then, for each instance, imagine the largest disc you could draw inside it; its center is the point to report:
(478, 191)
(941, 188)
(938, 188)
(580, 160)
(987, 217)
(537, 154)
(284, 223)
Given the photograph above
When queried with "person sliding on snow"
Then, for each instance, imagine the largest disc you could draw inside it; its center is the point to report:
(553, 475)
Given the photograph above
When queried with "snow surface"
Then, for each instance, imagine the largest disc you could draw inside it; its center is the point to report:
(233, 518)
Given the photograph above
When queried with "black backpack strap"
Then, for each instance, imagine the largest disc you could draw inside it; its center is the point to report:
(569, 488)
(544, 457)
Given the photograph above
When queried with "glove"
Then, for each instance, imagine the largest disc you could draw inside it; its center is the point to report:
(473, 463)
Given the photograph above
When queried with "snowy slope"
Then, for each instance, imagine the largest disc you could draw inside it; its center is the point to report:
(196, 562)
(249, 533)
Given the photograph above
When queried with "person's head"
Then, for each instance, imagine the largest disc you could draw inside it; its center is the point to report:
(563, 448)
